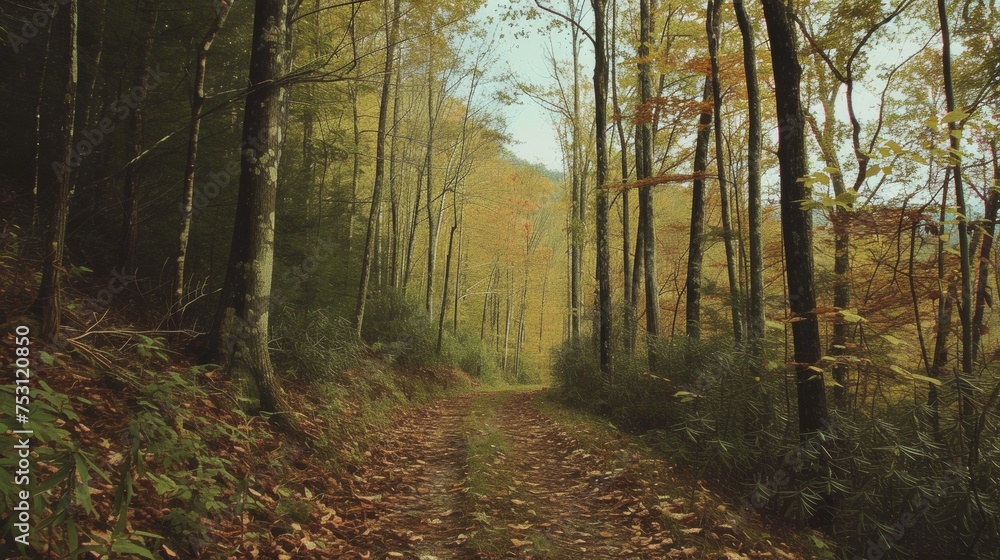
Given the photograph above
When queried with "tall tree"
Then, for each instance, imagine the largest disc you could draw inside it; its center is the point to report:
(391, 37)
(239, 336)
(825, 137)
(796, 222)
(578, 206)
(630, 310)
(644, 170)
(712, 25)
(601, 212)
(965, 309)
(49, 299)
(194, 132)
(697, 228)
(846, 73)
(988, 225)
(755, 331)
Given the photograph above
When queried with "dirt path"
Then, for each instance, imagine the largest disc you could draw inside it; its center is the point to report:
(501, 475)
(416, 482)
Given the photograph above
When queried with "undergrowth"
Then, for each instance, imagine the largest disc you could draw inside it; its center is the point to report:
(138, 453)
(879, 479)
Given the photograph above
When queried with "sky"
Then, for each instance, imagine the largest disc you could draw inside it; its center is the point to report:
(530, 126)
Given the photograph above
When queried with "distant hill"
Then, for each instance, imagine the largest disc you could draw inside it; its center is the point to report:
(555, 176)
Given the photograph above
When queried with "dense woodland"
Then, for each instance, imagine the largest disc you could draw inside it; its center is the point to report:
(768, 255)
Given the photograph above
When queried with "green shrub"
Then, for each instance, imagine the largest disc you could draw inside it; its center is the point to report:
(314, 345)
(885, 485)
(399, 332)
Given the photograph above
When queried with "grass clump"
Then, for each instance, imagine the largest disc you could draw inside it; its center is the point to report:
(486, 448)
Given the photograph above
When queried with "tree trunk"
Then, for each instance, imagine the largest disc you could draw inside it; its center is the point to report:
(392, 29)
(187, 198)
(506, 330)
(458, 267)
(965, 310)
(698, 200)
(796, 222)
(842, 244)
(946, 300)
(394, 205)
(132, 192)
(712, 28)
(240, 333)
(447, 277)
(49, 299)
(486, 300)
(519, 344)
(629, 298)
(412, 231)
(429, 172)
(541, 309)
(988, 224)
(35, 200)
(755, 332)
(356, 150)
(600, 127)
(577, 203)
(644, 170)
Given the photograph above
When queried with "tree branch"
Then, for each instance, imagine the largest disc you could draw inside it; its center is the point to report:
(571, 21)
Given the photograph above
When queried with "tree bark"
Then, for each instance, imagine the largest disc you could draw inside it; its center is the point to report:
(187, 198)
(49, 299)
(644, 170)
(796, 222)
(698, 200)
(600, 127)
(392, 30)
(712, 28)
(240, 333)
(756, 323)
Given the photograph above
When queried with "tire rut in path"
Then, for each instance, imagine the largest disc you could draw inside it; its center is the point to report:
(572, 500)
(557, 500)
(422, 462)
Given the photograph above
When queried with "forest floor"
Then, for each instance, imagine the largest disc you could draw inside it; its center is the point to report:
(512, 474)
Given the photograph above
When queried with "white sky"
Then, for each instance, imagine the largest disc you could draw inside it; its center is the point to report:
(529, 125)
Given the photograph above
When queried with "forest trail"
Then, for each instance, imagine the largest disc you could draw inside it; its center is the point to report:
(510, 474)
